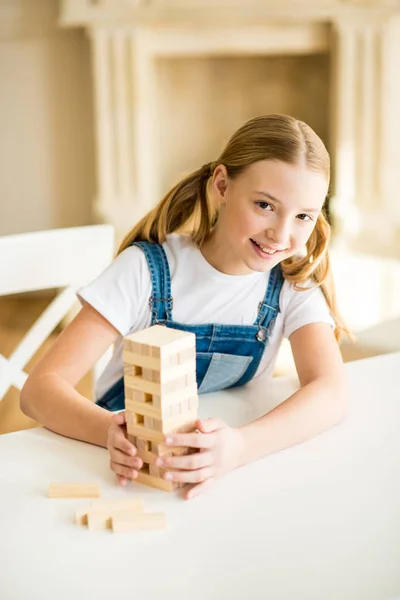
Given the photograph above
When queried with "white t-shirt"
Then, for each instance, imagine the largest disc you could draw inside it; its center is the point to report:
(201, 294)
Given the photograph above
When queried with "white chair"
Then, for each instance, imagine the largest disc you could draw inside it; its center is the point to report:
(62, 259)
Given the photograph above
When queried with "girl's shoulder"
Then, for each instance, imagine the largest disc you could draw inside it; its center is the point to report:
(301, 305)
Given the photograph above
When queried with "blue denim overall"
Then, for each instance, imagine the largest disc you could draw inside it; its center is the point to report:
(226, 355)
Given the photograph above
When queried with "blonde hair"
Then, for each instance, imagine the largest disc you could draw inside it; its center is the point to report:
(188, 208)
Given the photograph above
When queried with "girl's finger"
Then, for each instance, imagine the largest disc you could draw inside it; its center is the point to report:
(124, 471)
(124, 459)
(190, 461)
(120, 442)
(119, 418)
(191, 440)
(209, 425)
(196, 490)
(189, 476)
(122, 480)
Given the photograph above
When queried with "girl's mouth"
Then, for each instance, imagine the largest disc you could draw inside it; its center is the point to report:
(264, 251)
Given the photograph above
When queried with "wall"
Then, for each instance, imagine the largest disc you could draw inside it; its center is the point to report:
(46, 121)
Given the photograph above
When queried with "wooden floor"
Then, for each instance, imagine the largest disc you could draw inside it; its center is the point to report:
(17, 314)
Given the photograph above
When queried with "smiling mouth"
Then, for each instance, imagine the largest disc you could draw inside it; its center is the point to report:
(265, 249)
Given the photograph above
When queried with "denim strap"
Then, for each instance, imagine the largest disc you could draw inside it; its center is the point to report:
(160, 301)
(269, 308)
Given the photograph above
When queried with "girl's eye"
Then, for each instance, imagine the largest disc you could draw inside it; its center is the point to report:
(264, 205)
(304, 217)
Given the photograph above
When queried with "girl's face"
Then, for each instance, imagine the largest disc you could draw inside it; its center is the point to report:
(267, 215)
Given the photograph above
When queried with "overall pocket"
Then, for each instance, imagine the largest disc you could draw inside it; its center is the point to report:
(223, 370)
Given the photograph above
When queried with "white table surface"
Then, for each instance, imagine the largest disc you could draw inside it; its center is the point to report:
(317, 521)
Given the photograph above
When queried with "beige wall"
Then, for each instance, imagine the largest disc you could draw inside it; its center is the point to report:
(46, 121)
(212, 97)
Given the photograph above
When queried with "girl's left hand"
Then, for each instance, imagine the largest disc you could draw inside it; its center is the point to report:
(220, 451)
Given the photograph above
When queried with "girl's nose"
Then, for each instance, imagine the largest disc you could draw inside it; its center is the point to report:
(279, 234)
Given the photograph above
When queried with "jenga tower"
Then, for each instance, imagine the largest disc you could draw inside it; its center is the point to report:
(160, 395)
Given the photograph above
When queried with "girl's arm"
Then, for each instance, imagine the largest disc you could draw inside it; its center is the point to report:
(48, 395)
(319, 404)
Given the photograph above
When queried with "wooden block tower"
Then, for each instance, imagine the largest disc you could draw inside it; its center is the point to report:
(160, 395)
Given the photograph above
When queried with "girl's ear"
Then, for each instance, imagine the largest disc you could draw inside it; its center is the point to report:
(220, 183)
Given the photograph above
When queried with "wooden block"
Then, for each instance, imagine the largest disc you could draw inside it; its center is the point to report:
(154, 389)
(74, 490)
(164, 339)
(102, 519)
(81, 515)
(145, 433)
(155, 471)
(145, 362)
(132, 369)
(97, 514)
(162, 450)
(150, 375)
(144, 408)
(186, 355)
(150, 423)
(176, 396)
(161, 484)
(172, 360)
(182, 423)
(133, 522)
(143, 445)
(131, 346)
(131, 439)
(146, 456)
(168, 380)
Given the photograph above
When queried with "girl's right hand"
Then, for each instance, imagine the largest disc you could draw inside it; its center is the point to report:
(123, 459)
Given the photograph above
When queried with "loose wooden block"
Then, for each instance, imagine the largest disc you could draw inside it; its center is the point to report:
(97, 514)
(101, 518)
(74, 490)
(134, 522)
(81, 515)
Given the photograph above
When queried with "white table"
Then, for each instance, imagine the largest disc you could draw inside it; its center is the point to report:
(316, 521)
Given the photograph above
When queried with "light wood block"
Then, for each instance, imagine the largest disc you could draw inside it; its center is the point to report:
(81, 515)
(182, 424)
(143, 445)
(97, 514)
(147, 457)
(165, 381)
(162, 450)
(161, 484)
(162, 339)
(74, 490)
(145, 434)
(153, 389)
(134, 522)
(144, 408)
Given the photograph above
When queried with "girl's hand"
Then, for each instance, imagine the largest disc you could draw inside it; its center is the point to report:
(220, 451)
(122, 453)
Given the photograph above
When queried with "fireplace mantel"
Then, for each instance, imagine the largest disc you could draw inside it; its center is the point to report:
(118, 12)
(362, 38)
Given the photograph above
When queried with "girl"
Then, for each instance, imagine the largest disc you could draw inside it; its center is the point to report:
(236, 253)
